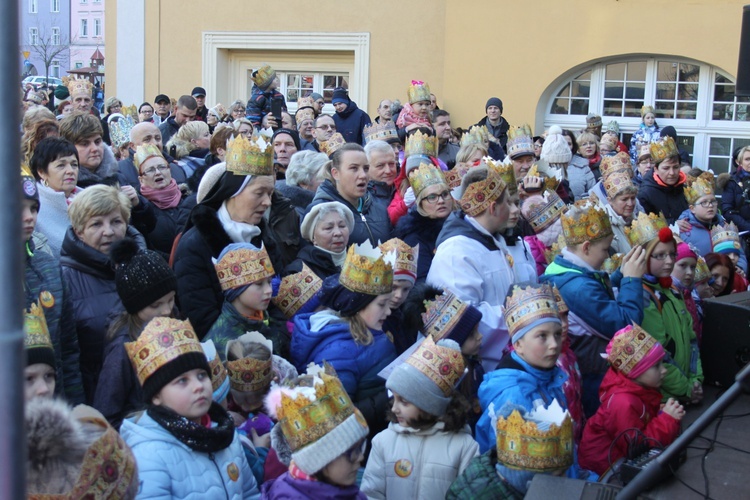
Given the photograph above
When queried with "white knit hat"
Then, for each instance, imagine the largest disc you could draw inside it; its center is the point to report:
(555, 148)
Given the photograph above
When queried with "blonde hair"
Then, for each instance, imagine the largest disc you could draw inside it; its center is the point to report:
(587, 137)
(181, 140)
(95, 201)
(360, 333)
(35, 114)
(466, 152)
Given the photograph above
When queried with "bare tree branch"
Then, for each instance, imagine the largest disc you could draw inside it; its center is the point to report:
(50, 47)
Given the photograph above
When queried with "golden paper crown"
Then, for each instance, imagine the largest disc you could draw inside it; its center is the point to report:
(521, 444)
(249, 157)
(726, 233)
(525, 306)
(644, 150)
(520, 141)
(243, 267)
(264, 76)
(617, 163)
(218, 370)
(550, 182)
(698, 187)
(405, 266)
(702, 272)
(442, 315)
(130, 112)
(305, 110)
(663, 148)
(119, 131)
(555, 250)
(421, 144)
(629, 347)
(143, 153)
(646, 110)
(542, 214)
(584, 221)
(220, 110)
(506, 171)
(296, 290)
(443, 365)
(78, 86)
(425, 176)
(477, 134)
(562, 307)
(332, 145)
(250, 375)
(36, 333)
(615, 182)
(163, 340)
(418, 91)
(613, 263)
(477, 196)
(367, 270)
(454, 176)
(381, 132)
(645, 228)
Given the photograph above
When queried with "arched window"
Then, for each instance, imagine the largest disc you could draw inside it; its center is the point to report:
(697, 99)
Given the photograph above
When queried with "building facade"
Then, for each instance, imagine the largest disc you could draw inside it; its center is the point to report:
(45, 35)
(87, 29)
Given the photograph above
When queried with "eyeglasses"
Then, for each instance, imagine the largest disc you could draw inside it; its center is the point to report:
(148, 111)
(356, 452)
(708, 203)
(663, 256)
(647, 162)
(326, 127)
(433, 198)
(152, 170)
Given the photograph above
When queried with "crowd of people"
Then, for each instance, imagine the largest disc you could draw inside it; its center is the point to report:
(246, 303)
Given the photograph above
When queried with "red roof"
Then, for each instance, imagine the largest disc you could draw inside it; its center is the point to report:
(97, 55)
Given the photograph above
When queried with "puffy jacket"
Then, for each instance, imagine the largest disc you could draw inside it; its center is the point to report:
(480, 482)
(433, 458)
(415, 229)
(285, 487)
(351, 123)
(318, 260)
(699, 234)
(53, 220)
(656, 197)
(168, 469)
(644, 134)
(580, 177)
(169, 223)
(734, 206)
(381, 192)
(625, 405)
(259, 104)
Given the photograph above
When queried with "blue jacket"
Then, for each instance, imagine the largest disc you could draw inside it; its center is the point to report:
(517, 383)
(415, 229)
(351, 123)
(168, 469)
(700, 235)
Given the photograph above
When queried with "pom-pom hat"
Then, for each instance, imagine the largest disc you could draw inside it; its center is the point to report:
(632, 351)
(142, 276)
(555, 148)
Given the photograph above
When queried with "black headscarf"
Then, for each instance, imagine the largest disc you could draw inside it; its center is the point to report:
(336, 296)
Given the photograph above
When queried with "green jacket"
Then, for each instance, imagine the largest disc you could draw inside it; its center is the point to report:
(480, 481)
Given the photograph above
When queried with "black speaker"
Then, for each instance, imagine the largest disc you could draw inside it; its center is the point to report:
(742, 88)
(725, 346)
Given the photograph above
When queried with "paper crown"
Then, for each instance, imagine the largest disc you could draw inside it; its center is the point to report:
(454, 176)
(477, 196)
(525, 306)
(249, 157)
(218, 370)
(551, 178)
(555, 249)
(615, 182)
(645, 228)
(243, 267)
(702, 272)
(367, 270)
(593, 120)
(219, 111)
(663, 148)
(130, 112)
(296, 290)
(442, 315)
(332, 145)
(617, 163)
(477, 134)
(541, 442)
(542, 214)
(520, 142)
(421, 144)
(698, 187)
(643, 151)
(119, 131)
(36, 333)
(305, 110)
(250, 374)
(443, 365)
(143, 153)
(612, 263)
(613, 127)
(163, 340)
(629, 347)
(584, 221)
(405, 266)
(425, 176)
(646, 110)
(725, 237)
(264, 76)
(78, 86)
(562, 307)
(506, 171)
(418, 91)
(381, 132)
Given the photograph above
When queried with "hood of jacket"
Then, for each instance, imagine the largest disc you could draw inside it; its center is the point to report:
(351, 108)
(327, 192)
(457, 225)
(78, 255)
(311, 332)
(615, 382)
(693, 220)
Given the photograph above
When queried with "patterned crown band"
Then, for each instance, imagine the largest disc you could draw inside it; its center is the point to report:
(645, 228)
(243, 267)
(418, 92)
(425, 176)
(443, 365)
(663, 149)
(333, 144)
(78, 86)
(477, 134)
(36, 333)
(542, 215)
(584, 221)
(629, 347)
(697, 188)
(250, 375)
(442, 315)
(421, 144)
(520, 142)
(454, 176)
(249, 157)
(406, 258)
(728, 233)
(366, 270)
(506, 171)
(381, 132)
(526, 306)
(145, 152)
(296, 290)
(615, 182)
(617, 163)
(478, 195)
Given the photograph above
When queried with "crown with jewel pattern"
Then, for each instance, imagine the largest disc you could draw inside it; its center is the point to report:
(542, 214)
(425, 176)
(78, 86)
(296, 290)
(617, 163)
(702, 272)
(264, 76)
(421, 144)
(628, 347)
(506, 171)
(333, 144)
(477, 196)
(555, 249)
(540, 442)
(520, 142)
(119, 131)
(454, 176)
(663, 148)
(442, 315)
(243, 266)
(381, 132)
(250, 374)
(526, 306)
(584, 221)
(418, 91)
(36, 340)
(368, 270)
(143, 153)
(697, 187)
(477, 134)
(645, 228)
(615, 182)
(249, 157)
(562, 307)
(442, 365)
(305, 110)
(218, 370)
(725, 237)
(405, 266)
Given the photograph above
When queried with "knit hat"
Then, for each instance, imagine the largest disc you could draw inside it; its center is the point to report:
(494, 101)
(36, 340)
(311, 219)
(555, 149)
(429, 375)
(209, 180)
(726, 239)
(166, 349)
(61, 92)
(684, 251)
(30, 192)
(142, 276)
(299, 293)
(219, 378)
(317, 418)
(291, 133)
(316, 96)
(447, 317)
(340, 94)
(405, 267)
(239, 266)
(527, 306)
(632, 351)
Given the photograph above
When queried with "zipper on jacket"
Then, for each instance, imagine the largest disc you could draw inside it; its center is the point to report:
(364, 220)
(212, 457)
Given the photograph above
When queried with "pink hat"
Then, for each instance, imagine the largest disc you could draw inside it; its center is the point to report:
(632, 351)
(685, 252)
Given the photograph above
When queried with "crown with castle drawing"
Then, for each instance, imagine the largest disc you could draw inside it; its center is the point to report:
(421, 144)
(645, 228)
(584, 221)
(381, 132)
(368, 270)
(725, 237)
(243, 266)
(544, 213)
(525, 306)
(249, 157)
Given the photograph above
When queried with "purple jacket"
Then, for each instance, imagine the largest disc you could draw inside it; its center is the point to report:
(286, 487)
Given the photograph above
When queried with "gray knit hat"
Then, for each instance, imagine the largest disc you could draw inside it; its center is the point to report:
(555, 149)
(316, 212)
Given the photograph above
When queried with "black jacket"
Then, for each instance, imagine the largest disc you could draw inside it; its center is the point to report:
(351, 123)
(413, 229)
(319, 262)
(500, 132)
(169, 223)
(299, 196)
(735, 206)
(381, 192)
(168, 129)
(655, 198)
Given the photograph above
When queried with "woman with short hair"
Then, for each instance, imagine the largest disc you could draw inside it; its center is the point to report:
(189, 146)
(302, 178)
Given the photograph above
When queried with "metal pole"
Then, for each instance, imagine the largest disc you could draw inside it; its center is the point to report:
(12, 356)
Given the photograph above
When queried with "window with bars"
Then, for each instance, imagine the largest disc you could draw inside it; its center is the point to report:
(624, 88)
(573, 98)
(677, 88)
(54, 69)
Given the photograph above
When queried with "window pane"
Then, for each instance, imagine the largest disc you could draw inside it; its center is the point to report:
(666, 72)
(633, 108)
(307, 82)
(327, 96)
(616, 71)
(689, 72)
(559, 107)
(637, 71)
(687, 144)
(579, 106)
(580, 89)
(722, 112)
(565, 92)
(720, 146)
(635, 90)
(664, 109)
(291, 95)
(721, 79)
(724, 93)
(613, 90)
(687, 110)
(688, 92)
(612, 108)
(584, 76)
(329, 82)
(665, 90)
(741, 113)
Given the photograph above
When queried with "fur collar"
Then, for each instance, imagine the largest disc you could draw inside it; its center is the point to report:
(206, 222)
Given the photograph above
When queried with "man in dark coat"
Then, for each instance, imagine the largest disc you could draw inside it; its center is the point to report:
(350, 120)
(184, 112)
(494, 121)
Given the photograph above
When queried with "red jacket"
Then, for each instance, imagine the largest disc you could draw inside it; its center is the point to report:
(625, 404)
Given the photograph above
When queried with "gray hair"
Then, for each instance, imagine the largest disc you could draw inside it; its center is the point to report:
(321, 210)
(235, 105)
(304, 166)
(377, 146)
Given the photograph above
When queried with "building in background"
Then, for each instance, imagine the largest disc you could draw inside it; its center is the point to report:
(87, 29)
(44, 36)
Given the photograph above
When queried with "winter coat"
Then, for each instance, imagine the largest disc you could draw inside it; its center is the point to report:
(370, 218)
(447, 153)
(168, 128)
(620, 243)
(318, 260)
(415, 229)
(43, 282)
(518, 383)
(524, 264)
(105, 173)
(193, 162)
(198, 286)
(625, 405)
(381, 192)
(699, 234)
(285, 487)
(259, 104)
(53, 220)
(538, 252)
(351, 123)
(595, 314)
(580, 177)
(411, 463)
(734, 206)
(667, 319)
(169, 469)
(323, 336)
(91, 278)
(480, 481)
(500, 132)
(656, 197)
(169, 223)
(299, 196)
(128, 175)
(644, 134)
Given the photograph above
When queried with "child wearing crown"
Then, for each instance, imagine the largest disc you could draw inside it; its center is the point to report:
(39, 374)
(263, 93)
(725, 240)
(631, 401)
(427, 444)
(404, 279)
(543, 211)
(595, 313)
(185, 445)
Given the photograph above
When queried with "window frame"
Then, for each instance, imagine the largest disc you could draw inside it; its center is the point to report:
(84, 28)
(54, 5)
(98, 26)
(55, 35)
(33, 6)
(318, 85)
(33, 35)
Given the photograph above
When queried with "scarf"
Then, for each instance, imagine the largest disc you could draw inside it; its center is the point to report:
(338, 258)
(197, 437)
(164, 198)
(594, 160)
(407, 117)
(239, 232)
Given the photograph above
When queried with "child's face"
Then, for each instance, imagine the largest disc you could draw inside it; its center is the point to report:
(257, 295)
(652, 377)
(39, 381)
(564, 326)
(649, 119)
(541, 346)
(422, 108)
(704, 290)
(472, 344)
(404, 411)
(684, 271)
(162, 307)
(250, 402)
(595, 253)
(401, 289)
(29, 214)
(661, 260)
(734, 257)
(704, 208)
(188, 395)
(376, 312)
(343, 470)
